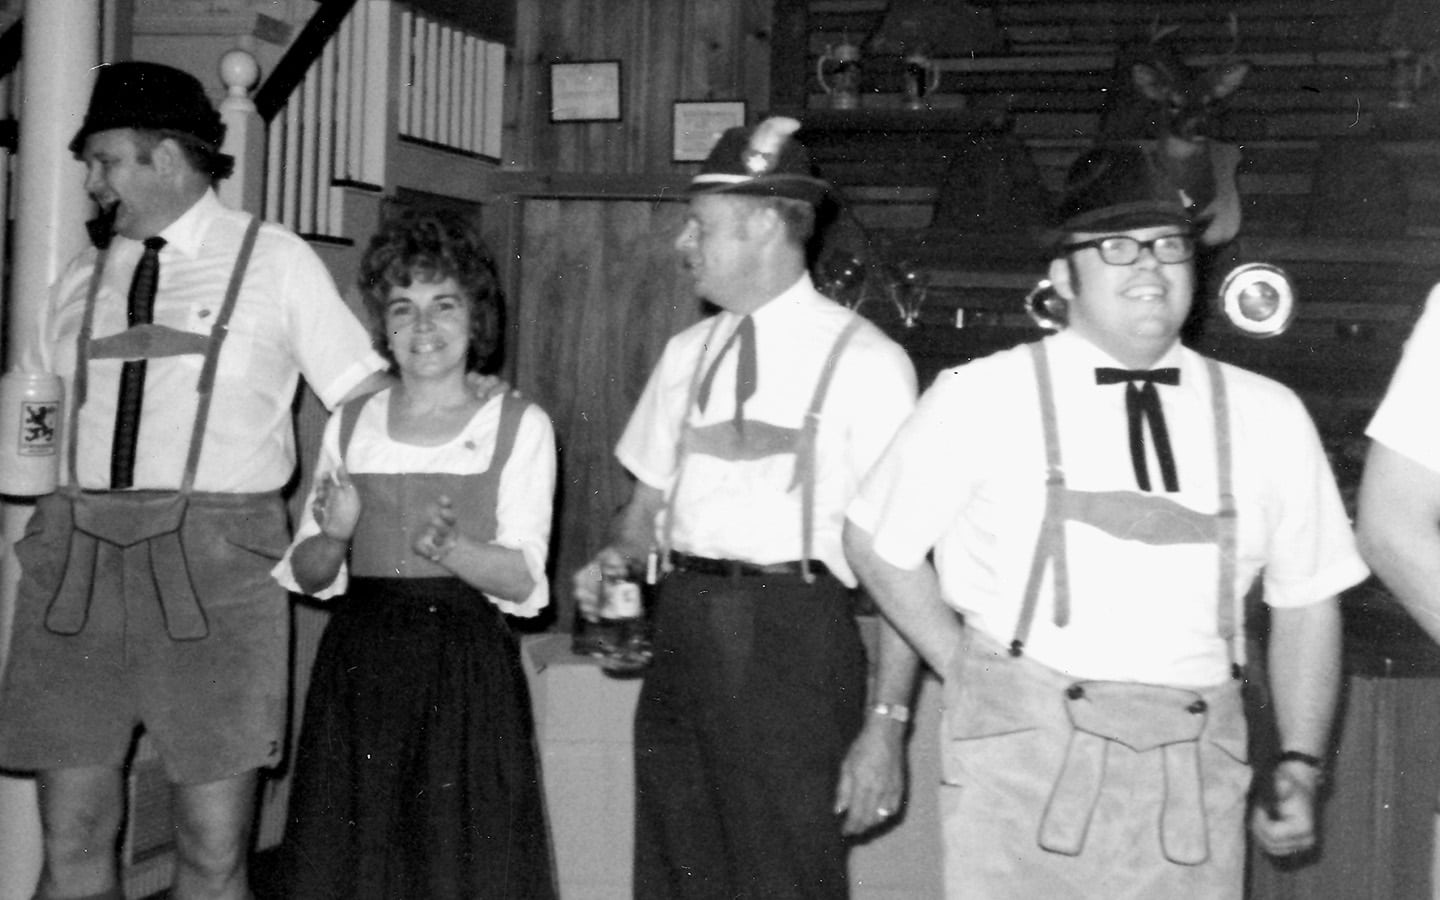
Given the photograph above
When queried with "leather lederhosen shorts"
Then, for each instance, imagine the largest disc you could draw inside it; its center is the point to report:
(82, 676)
(1055, 787)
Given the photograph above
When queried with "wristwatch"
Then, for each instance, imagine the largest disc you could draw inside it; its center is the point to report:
(1314, 762)
(1300, 756)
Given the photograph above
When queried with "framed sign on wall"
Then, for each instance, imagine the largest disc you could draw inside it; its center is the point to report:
(585, 91)
(697, 125)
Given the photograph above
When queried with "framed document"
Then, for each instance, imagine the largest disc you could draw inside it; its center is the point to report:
(585, 91)
(697, 125)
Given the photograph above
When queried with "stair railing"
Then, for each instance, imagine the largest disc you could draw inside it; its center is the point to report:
(386, 73)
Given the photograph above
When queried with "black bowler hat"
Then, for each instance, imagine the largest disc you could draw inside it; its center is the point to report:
(150, 96)
(764, 161)
(1117, 188)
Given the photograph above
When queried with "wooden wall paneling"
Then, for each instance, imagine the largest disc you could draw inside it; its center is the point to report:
(525, 91)
(716, 38)
(668, 52)
(756, 45)
(608, 33)
(652, 33)
(789, 56)
(594, 317)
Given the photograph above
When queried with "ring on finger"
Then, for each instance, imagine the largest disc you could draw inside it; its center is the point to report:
(883, 812)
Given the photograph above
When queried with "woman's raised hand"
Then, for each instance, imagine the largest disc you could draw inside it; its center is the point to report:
(438, 535)
(337, 505)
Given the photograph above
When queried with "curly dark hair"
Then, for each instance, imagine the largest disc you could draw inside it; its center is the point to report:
(432, 246)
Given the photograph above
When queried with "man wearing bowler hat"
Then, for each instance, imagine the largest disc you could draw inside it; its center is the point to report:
(145, 595)
(1098, 504)
(755, 748)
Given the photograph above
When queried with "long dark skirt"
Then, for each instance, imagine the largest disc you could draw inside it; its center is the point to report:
(416, 774)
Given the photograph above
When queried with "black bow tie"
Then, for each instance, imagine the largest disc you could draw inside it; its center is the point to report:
(1142, 405)
(1107, 375)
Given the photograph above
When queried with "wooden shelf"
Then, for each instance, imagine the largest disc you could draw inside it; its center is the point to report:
(828, 124)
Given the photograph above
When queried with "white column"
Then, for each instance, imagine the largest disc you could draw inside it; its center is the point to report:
(60, 50)
(244, 132)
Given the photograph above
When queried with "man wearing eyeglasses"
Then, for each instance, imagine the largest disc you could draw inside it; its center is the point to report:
(1098, 504)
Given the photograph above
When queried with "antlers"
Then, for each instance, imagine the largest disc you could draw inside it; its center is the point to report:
(1187, 100)
(1156, 96)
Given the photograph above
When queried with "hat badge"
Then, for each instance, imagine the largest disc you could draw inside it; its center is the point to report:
(758, 162)
(763, 152)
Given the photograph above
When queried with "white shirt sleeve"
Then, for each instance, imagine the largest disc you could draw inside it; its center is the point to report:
(921, 482)
(331, 345)
(1311, 554)
(878, 392)
(649, 444)
(526, 504)
(1405, 421)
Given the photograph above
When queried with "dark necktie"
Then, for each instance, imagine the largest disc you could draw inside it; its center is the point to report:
(140, 311)
(1142, 405)
(745, 367)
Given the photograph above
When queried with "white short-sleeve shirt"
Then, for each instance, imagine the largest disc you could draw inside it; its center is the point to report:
(1406, 420)
(751, 510)
(966, 476)
(289, 321)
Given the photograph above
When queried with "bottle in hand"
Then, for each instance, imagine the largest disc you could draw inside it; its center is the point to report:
(624, 626)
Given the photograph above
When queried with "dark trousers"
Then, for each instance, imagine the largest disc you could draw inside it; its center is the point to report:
(757, 690)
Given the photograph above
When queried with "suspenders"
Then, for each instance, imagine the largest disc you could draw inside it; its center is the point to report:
(800, 441)
(1063, 503)
(126, 518)
(176, 343)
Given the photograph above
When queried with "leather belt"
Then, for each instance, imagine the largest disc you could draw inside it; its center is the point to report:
(734, 568)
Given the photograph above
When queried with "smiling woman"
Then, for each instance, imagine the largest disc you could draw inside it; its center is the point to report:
(427, 327)
(417, 254)
(430, 517)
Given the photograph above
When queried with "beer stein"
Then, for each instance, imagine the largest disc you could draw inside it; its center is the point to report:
(922, 78)
(29, 433)
(843, 83)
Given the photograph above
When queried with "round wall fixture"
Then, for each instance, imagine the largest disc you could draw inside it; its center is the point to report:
(1258, 299)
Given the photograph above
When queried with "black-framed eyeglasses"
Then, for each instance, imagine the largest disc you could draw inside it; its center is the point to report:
(1122, 250)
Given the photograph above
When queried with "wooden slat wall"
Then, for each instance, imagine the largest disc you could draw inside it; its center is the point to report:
(595, 314)
(716, 50)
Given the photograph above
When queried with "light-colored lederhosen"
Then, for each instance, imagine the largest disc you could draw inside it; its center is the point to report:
(202, 558)
(1073, 788)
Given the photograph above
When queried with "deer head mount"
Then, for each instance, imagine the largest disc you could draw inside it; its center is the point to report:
(1157, 97)
(1155, 93)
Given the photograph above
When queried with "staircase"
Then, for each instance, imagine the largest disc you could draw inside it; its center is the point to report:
(1340, 187)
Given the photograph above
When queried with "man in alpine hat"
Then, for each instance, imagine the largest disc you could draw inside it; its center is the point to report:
(1098, 504)
(756, 749)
